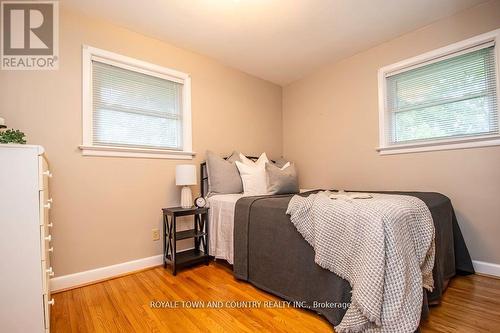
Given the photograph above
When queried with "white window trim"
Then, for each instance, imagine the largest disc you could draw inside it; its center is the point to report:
(89, 149)
(415, 62)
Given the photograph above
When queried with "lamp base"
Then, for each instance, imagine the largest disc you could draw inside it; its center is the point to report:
(186, 197)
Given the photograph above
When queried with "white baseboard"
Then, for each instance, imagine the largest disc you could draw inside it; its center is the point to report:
(102, 273)
(486, 268)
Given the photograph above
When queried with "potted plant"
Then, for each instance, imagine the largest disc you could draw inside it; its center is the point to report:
(11, 135)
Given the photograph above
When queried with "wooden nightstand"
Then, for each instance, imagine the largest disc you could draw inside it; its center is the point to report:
(170, 237)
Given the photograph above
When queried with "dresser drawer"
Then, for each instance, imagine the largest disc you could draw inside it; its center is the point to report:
(48, 302)
(44, 173)
(47, 273)
(46, 247)
(45, 204)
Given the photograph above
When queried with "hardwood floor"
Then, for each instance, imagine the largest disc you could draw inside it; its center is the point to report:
(471, 304)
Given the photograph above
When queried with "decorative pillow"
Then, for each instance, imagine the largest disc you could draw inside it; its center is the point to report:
(235, 156)
(280, 162)
(281, 180)
(260, 162)
(223, 176)
(253, 178)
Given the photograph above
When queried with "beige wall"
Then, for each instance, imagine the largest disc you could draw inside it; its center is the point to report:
(330, 125)
(106, 207)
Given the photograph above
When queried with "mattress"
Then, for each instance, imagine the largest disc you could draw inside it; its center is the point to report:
(221, 225)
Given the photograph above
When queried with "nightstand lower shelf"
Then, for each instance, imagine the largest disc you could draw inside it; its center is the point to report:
(188, 257)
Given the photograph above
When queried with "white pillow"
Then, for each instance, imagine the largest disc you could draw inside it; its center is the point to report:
(253, 178)
(260, 162)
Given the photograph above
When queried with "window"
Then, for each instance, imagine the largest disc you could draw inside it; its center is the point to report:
(445, 99)
(134, 109)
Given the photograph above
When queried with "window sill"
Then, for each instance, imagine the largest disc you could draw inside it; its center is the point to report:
(436, 145)
(108, 151)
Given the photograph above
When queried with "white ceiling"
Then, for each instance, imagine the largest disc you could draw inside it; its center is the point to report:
(277, 40)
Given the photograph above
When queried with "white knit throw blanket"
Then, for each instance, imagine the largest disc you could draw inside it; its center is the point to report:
(384, 248)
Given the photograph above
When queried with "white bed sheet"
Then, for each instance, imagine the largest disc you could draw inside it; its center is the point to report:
(221, 225)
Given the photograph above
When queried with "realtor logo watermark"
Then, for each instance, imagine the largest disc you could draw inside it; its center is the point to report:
(29, 35)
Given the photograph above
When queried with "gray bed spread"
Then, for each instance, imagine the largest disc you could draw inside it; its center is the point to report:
(271, 254)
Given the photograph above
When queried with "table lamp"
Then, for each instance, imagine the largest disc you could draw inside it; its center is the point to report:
(185, 175)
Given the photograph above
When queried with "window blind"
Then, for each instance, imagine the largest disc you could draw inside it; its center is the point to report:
(451, 98)
(132, 109)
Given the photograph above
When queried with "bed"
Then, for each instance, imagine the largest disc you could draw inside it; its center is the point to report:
(269, 252)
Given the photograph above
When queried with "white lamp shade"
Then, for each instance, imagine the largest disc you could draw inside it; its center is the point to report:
(185, 174)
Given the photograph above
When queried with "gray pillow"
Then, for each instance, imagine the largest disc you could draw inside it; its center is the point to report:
(223, 176)
(235, 156)
(281, 181)
(280, 162)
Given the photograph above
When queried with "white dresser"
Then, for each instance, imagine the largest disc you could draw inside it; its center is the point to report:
(25, 240)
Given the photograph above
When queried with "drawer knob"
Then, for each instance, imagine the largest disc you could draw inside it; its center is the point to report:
(51, 302)
(50, 225)
(47, 205)
(50, 271)
(50, 200)
(47, 173)
(48, 238)
(51, 249)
